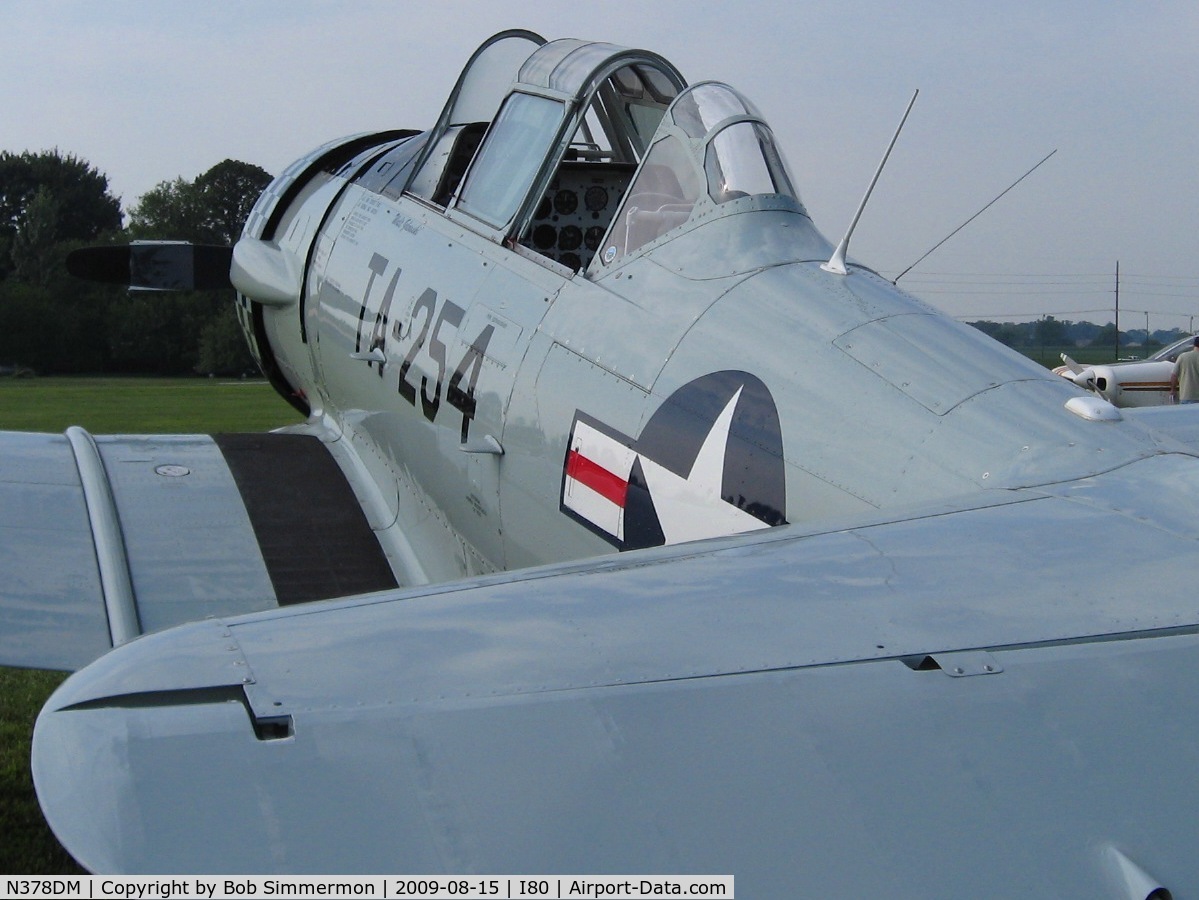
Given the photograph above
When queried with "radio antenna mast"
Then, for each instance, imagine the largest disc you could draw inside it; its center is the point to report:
(972, 218)
(836, 263)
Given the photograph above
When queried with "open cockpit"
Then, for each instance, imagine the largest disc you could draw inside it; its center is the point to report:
(564, 151)
(563, 147)
(537, 143)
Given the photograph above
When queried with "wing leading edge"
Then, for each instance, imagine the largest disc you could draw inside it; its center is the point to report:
(906, 707)
(106, 538)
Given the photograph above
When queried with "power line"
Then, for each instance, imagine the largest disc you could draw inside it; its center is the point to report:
(1050, 288)
(1039, 314)
(1102, 275)
(1056, 313)
(949, 290)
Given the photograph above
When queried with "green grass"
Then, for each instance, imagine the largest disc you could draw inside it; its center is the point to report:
(103, 406)
(1051, 357)
(141, 405)
(28, 847)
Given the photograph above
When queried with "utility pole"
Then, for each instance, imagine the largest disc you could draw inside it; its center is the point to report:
(1117, 311)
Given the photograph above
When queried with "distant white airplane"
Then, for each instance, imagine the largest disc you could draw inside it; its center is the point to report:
(900, 613)
(1128, 384)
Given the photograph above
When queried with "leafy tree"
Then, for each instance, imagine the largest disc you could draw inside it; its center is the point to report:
(212, 209)
(1107, 336)
(209, 210)
(1008, 333)
(34, 242)
(158, 333)
(169, 211)
(56, 328)
(1082, 333)
(223, 348)
(51, 203)
(1162, 337)
(988, 328)
(69, 200)
(1050, 332)
(23, 331)
(228, 191)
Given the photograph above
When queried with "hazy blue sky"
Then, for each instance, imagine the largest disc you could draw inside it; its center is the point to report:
(151, 90)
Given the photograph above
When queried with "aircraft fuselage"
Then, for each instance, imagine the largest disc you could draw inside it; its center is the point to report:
(465, 374)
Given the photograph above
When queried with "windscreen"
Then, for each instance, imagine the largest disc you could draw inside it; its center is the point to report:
(510, 158)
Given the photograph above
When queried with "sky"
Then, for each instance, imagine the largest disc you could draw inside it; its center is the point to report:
(148, 91)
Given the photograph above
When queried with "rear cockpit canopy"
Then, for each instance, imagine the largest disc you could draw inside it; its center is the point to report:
(713, 152)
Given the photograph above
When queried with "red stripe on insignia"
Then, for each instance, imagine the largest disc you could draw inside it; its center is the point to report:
(607, 484)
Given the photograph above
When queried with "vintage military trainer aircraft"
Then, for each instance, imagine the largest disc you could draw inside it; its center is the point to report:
(891, 622)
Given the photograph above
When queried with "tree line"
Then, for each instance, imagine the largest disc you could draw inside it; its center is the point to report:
(1049, 333)
(52, 203)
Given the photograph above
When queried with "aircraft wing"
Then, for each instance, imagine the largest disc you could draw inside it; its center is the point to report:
(103, 539)
(901, 707)
(1178, 421)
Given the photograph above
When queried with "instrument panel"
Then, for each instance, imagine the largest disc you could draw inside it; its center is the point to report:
(575, 212)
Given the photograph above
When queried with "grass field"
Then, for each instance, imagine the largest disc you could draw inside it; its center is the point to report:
(141, 405)
(103, 406)
(1051, 357)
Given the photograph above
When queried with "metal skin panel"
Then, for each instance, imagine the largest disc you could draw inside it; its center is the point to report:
(443, 329)
(201, 656)
(1011, 427)
(548, 392)
(51, 611)
(571, 719)
(768, 775)
(644, 311)
(1179, 423)
(860, 428)
(897, 342)
(284, 326)
(191, 549)
(187, 544)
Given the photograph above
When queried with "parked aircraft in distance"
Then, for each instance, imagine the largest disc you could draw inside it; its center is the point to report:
(881, 626)
(1133, 383)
